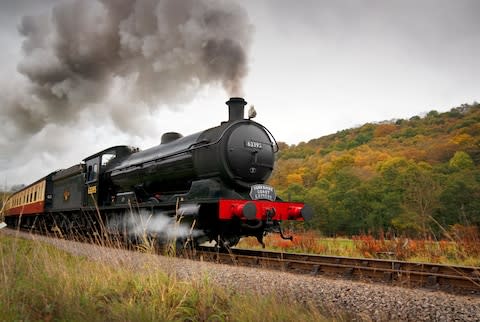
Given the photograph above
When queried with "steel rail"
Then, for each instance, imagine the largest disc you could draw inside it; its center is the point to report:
(463, 279)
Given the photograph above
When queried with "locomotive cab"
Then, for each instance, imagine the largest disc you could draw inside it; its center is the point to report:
(98, 187)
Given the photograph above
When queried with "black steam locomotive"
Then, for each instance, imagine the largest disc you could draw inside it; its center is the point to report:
(212, 181)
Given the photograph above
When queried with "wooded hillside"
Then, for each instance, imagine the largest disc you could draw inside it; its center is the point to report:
(414, 177)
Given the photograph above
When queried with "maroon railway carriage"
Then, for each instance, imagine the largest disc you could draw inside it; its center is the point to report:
(28, 201)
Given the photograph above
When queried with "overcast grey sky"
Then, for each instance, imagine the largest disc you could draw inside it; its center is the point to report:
(315, 67)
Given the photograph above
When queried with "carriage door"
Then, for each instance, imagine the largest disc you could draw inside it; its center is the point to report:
(92, 187)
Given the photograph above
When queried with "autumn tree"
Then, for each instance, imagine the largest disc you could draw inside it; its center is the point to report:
(414, 176)
(421, 195)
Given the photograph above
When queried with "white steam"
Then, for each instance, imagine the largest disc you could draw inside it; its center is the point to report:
(158, 224)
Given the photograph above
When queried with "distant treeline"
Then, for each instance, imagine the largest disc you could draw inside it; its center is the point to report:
(414, 177)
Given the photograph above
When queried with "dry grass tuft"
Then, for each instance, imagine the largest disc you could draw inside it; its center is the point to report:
(40, 282)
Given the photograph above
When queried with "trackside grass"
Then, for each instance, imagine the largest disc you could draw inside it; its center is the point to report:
(40, 282)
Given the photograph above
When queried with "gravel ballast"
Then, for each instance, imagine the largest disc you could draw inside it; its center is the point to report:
(367, 301)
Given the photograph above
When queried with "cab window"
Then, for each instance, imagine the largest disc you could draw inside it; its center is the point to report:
(92, 172)
(107, 157)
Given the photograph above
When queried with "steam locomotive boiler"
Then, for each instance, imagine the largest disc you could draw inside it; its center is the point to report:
(212, 181)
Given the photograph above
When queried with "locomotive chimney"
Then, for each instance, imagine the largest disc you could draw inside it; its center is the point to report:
(235, 108)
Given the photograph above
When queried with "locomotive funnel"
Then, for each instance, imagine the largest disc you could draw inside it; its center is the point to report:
(235, 108)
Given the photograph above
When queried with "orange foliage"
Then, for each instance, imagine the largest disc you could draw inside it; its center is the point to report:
(463, 139)
(440, 151)
(294, 178)
(468, 239)
(384, 130)
(466, 245)
(414, 154)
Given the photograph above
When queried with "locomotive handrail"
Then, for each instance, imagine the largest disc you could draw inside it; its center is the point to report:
(272, 137)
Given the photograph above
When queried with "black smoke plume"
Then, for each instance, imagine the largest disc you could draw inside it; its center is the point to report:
(84, 55)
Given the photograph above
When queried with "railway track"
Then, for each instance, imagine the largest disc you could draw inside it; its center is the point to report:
(459, 279)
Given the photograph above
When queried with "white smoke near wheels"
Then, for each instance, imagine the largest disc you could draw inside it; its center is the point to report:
(157, 224)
